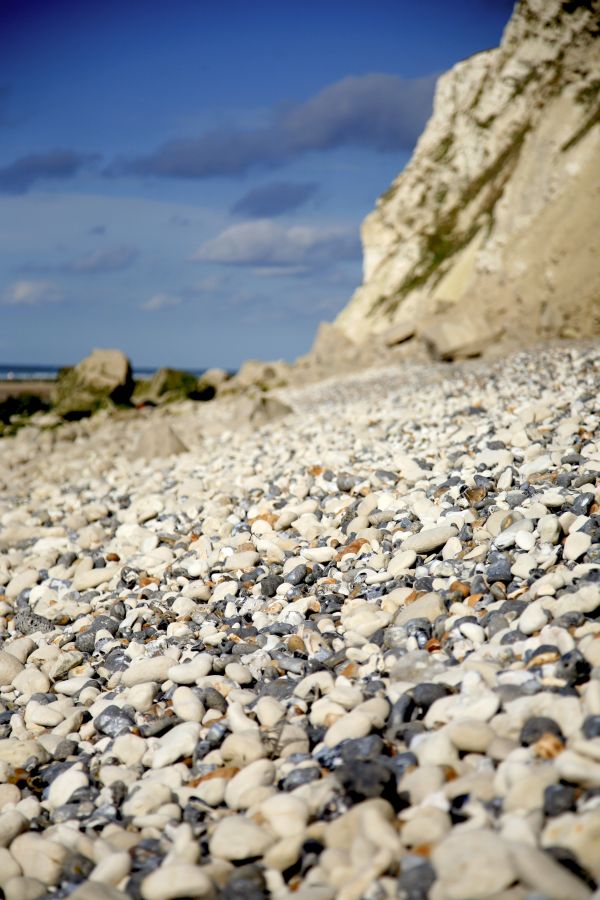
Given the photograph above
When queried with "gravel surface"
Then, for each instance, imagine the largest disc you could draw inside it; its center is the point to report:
(353, 653)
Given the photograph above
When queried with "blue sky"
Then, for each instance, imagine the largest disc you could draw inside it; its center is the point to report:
(185, 180)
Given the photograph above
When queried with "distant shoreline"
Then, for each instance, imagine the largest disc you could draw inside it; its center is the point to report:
(40, 387)
(17, 374)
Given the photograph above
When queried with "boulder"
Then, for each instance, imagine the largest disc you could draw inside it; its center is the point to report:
(332, 350)
(210, 382)
(101, 379)
(157, 440)
(166, 386)
(400, 333)
(268, 409)
(457, 335)
(255, 376)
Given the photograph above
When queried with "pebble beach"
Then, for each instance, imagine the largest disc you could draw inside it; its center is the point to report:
(350, 653)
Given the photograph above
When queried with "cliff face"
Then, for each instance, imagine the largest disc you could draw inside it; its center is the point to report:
(492, 228)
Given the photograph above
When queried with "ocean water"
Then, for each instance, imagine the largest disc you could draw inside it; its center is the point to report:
(10, 372)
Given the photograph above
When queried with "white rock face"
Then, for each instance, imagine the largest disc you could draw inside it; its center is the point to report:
(489, 228)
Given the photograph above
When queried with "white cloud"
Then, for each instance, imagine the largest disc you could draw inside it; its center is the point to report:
(209, 285)
(265, 243)
(160, 301)
(31, 293)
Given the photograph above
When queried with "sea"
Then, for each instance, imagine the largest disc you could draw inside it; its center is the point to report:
(9, 372)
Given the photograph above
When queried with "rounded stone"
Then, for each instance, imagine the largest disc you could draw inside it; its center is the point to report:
(176, 881)
(475, 868)
(236, 838)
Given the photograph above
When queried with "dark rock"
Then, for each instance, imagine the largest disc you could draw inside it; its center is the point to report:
(28, 622)
(346, 482)
(85, 641)
(297, 575)
(269, 585)
(513, 637)
(76, 868)
(116, 660)
(591, 727)
(246, 882)
(297, 777)
(364, 779)
(536, 726)
(499, 570)
(113, 721)
(425, 694)
(415, 883)
(559, 799)
(354, 749)
(581, 504)
(573, 667)
(402, 712)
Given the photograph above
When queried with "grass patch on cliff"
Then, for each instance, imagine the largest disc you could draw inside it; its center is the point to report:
(446, 240)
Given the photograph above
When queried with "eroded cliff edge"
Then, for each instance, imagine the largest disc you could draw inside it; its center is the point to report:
(491, 231)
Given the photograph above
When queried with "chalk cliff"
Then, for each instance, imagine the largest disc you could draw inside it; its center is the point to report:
(491, 231)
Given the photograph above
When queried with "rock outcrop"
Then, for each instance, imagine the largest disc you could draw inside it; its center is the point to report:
(166, 386)
(490, 232)
(102, 378)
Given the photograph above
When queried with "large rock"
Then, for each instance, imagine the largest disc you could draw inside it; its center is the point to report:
(157, 440)
(496, 216)
(210, 382)
(457, 335)
(166, 386)
(257, 411)
(102, 378)
(255, 376)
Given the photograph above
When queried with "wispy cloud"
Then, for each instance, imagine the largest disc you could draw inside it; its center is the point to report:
(31, 293)
(19, 176)
(274, 199)
(113, 259)
(180, 221)
(266, 244)
(160, 301)
(378, 111)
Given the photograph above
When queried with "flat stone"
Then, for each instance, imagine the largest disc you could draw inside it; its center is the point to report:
(579, 833)
(241, 788)
(10, 667)
(238, 838)
(21, 888)
(179, 742)
(576, 545)
(147, 669)
(191, 672)
(175, 881)
(245, 559)
(429, 607)
(64, 785)
(354, 724)
(539, 872)
(475, 868)
(430, 538)
(187, 705)
(39, 858)
(285, 814)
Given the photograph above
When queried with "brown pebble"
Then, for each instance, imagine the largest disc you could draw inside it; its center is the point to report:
(459, 587)
(296, 645)
(226, 772)
(548, 746)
